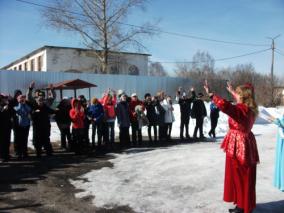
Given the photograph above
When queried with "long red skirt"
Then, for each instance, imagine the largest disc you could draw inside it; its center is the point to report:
(239, 184)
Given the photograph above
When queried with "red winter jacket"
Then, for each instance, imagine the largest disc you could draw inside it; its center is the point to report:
(109, 108)
(132, 105)
(77, 117)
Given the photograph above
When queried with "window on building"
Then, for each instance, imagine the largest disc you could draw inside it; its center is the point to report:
(32, 65)
(26, 66)
(20, 67)
(133, 70)
(39, 63)
(15, 68)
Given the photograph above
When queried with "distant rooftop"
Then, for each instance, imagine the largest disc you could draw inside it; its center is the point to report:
(58, 47)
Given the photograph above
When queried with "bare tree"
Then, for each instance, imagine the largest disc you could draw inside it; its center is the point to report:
(157, 69)
(100, 23)
(200, 68)
(203, 62)
(245, 73)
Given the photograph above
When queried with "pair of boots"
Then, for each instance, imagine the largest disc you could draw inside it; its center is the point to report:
(236, 210)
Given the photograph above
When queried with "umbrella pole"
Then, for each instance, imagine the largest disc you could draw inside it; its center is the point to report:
(61, 94)
(89, 93)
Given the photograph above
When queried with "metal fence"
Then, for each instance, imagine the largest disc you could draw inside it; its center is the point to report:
(11, 80)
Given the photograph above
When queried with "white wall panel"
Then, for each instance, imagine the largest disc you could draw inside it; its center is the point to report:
(11, 80)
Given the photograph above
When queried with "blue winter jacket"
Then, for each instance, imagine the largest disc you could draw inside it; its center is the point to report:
(96, 111)
(22, 113)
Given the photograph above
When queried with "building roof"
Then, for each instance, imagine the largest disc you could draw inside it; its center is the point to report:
(72, 84)
(58, 47)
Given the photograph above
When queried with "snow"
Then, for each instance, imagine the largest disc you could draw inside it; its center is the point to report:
(182, 178)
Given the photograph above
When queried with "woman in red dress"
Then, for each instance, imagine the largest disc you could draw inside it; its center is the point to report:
(240, 147)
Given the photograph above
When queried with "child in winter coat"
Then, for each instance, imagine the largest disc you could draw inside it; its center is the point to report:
(109, 103)
(136, 130)
(169, 116)
(22, 126)
(77, 116)
(141, 117)
(96, 115)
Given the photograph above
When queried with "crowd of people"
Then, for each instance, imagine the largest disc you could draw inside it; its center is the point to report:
(75, 117)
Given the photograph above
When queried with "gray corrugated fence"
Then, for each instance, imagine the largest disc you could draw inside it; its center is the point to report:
(11, 80)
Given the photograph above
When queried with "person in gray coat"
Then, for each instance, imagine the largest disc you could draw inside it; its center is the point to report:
(123, 120)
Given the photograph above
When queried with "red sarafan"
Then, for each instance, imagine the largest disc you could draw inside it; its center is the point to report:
(239, 143)
(241, 155)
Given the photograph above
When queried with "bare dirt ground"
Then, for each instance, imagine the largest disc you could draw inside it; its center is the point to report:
(43, 185)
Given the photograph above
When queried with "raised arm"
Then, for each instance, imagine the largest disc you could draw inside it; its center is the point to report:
(51, 95)
(234, 111)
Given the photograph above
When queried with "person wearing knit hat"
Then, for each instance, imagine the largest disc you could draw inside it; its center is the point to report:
(136, 129)
(120, 92)
(96, 114)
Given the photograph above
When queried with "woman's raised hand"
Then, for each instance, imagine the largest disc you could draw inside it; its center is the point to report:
(230, 87)
(206, 87)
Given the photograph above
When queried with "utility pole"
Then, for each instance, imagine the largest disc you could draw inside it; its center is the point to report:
(272, 68)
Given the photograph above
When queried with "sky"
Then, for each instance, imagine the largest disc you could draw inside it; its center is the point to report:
(22, 30)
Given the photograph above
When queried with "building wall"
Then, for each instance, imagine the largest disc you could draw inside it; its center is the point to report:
(35, 62)
(75, 60)
(130, 84)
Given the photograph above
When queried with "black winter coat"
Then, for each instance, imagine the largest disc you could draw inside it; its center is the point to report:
(62, 114)
(198, 109)
(161, 113)
(6, 117)
(151, 112)
(40, 118)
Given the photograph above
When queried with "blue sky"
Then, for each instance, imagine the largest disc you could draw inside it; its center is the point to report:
(248, 21)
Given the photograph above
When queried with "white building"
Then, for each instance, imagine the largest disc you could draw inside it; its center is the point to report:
(67, 59)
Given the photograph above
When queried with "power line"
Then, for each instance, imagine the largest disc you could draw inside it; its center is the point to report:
(277, 51)
(152, 29)
(199, 38)
(219, 59)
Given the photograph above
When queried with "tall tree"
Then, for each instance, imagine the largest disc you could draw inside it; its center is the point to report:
(200, 68)
(100, 23)
(157, 69)
(203, 62)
